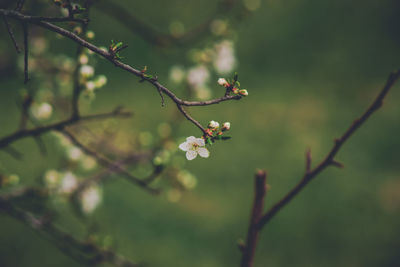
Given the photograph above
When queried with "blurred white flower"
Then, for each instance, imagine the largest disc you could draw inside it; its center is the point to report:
(69, 183)
(83, 59)
(90, 199)
(194, 146)
(224, 60)
(198, 76)
(100, 81)
(41, 111)
(74, 153)
(177, 74)
(87, 71)
(52, 178)
(90, 86)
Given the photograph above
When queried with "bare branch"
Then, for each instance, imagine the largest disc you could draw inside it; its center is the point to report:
(7, 140)
(11, 33)
(249, 248)
(83, 252)
(329, 159)
(107, 163)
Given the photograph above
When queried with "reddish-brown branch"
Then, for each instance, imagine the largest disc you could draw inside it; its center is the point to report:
(249, 248)
(329, 159)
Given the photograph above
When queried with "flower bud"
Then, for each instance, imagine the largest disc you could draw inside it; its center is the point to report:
(213, 125)
(226, 126)
(235, 91)
(243, 92)
(222, 82)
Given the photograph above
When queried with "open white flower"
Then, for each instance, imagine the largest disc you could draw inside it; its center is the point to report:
(194, 146)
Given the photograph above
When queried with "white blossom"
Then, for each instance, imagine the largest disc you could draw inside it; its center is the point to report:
(69, 183)
(194, 146)
(198, 76)
(90, 199)
(87, 71)
(224, 60)
(90, 86)
(41, 111)
(222, 82)
(213, 124)
(100, 81)
(226, 126)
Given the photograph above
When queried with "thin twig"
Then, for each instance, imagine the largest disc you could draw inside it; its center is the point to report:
(83, 252)
(8, 140)
(329, 159)
(249, 248)
(11, 33)
(26, 51)
(107, 163)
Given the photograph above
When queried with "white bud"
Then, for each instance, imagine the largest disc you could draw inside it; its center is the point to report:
(226, 126)
(213, 124)
(222, 82)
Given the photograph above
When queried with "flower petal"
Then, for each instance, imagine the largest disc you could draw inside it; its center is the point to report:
(191, 139)
(191, 154)
(200, 141)
(203, 152)
(185, 146)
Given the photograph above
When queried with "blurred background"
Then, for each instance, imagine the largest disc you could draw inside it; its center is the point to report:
(310, 67)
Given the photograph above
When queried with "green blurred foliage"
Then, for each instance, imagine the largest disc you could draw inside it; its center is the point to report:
(310, 67)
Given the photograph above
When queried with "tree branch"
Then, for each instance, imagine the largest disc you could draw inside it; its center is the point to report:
(329, 159)
(111, 57)
(107, 163)
(7, 140)
(249, 248)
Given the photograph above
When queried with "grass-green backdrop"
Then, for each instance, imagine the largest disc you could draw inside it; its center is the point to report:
(310, 67)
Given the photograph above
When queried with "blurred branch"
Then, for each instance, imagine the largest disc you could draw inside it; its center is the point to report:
(109, 55)
(249, 248)
(83, 252)
(107, 163)
(257, 223)
(11, 33)
(154, 36)
(7, 140)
